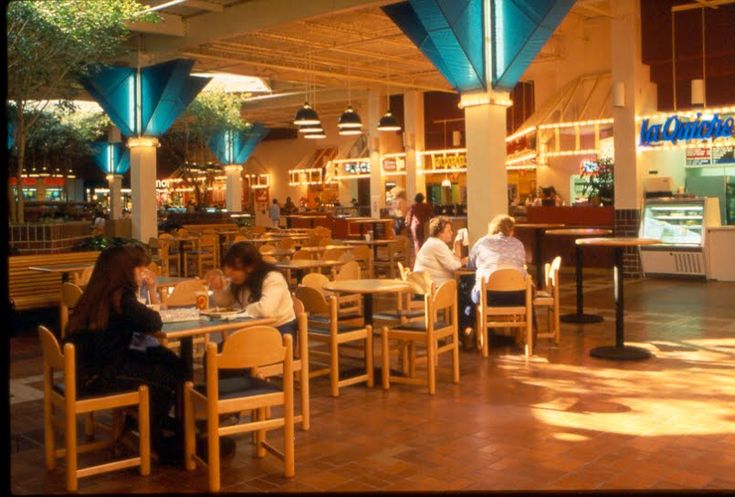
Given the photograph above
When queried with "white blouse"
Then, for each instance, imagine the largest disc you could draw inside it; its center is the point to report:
(275, 300)
(435, 258)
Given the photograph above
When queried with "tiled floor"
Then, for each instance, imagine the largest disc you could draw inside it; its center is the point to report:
(562, 420)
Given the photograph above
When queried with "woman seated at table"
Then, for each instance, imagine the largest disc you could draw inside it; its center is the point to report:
(434, 257)
(255, 285)
(112, 332)
(499, 249)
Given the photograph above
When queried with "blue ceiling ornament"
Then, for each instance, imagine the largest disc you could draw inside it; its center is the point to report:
(111, 158)
(11, 139)
(147, 101)
(450, 34)
(236, 146)
(520, 28)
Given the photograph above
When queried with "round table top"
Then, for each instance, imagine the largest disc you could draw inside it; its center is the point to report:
(367, 286)
(327, 247)
(308, 264)
(617, 241)
(278, 252)
(579, 232)
(370, 221)
(540, 225)
(371, 242)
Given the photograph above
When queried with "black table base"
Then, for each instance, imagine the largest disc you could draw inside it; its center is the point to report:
(624, 353)
(579, 317)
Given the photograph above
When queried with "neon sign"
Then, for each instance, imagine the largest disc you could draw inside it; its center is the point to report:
(675, 129)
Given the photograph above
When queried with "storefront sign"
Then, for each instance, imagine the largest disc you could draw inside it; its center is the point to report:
(715, 156)
(362, 167)
(161, 184)
(449, 162)
(676, 129)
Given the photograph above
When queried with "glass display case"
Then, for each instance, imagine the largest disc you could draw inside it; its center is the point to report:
(680, 225)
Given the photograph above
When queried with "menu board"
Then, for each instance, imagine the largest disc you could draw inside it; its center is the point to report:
(699, 156)
(715, 156)
(723, 155)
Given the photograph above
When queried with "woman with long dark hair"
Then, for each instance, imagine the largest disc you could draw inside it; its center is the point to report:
(255, 285)
(116, 350)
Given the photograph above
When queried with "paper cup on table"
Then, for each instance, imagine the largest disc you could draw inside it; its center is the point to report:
(155, 307)
(202, 299)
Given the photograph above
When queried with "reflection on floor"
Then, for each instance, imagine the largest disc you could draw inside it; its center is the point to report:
(562, 420)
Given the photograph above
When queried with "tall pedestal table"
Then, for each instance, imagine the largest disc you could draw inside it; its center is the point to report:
(620, 351)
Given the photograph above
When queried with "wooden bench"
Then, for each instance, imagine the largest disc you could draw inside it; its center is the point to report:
(33, 289)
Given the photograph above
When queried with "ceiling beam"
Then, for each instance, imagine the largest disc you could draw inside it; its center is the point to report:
(208, 6)
(701, 4)
(169, 25)
(253, 15)
(316, 72)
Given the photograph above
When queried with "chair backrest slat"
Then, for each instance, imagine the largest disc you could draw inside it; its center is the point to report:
(349, 271)
(505, 280)
(314, 302)
(183, 293)
(252, 347)
(316, 281)
(50, 348)
(446, 295)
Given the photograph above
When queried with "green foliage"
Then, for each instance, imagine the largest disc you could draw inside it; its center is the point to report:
(601, 184)
(213, 110)
(102, 242)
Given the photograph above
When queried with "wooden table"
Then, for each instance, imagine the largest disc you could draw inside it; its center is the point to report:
(64, 269)
(371, 221)
(185, 331)
(620, 351)
(302, 265)
(322, 249)
(373, 243)
(367, 288)
(278, 252)
(579, 316)
(538, 257)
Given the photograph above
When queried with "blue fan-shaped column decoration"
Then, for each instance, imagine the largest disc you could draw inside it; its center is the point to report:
(144, 103)
(233, 148)
(113, 159)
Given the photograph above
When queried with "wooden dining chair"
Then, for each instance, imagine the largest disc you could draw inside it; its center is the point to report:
(300, 365)
(324, 241)
(301, 255)
(286, 243)
(332, 334)
(438, 333)
(256, 347)
(548, 299)
(350, 305)
(520, 317)
(62, 404)
(184, 293)
(348, 271)
(203, 255)
(70, 295)
(346, 256)
(364, 256)
(81, 279)
(168, 251)
(266, 248)
(332, 254)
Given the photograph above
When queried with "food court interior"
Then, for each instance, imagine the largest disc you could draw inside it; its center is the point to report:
(605, 128)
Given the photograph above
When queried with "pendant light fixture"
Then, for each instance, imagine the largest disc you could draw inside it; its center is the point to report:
(306, 114)
(311, 128)
(317, 135)
(446, 182)
(349, 122)
(388, 122)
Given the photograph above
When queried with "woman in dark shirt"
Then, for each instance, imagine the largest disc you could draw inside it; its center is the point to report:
(116, 351)
(417, 216)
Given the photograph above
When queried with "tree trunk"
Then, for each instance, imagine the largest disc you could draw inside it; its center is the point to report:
(19, 202)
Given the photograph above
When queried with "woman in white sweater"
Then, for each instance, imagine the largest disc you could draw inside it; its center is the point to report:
(255, 285)
(435, 257)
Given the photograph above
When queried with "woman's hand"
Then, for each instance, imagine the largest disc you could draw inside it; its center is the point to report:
(215, 279)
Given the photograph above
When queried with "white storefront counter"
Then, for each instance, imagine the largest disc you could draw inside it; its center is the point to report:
(719, 247)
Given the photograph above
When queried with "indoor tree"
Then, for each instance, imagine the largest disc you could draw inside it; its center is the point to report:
(50, 44)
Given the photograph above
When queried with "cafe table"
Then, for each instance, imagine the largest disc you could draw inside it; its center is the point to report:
(367, 288)
(579, 316)
(372, 243)
(64, 269)
(302, 265)
(278, 252)
(317, 251)
(619, 351)
(538, 257)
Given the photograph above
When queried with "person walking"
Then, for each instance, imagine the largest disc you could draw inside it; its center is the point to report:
(274, 213)
(416, 218)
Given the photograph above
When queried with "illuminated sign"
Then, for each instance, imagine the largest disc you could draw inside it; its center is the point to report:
(676, 129)
(449, 162)
(161, 184)
(588, 167)
(357, 167)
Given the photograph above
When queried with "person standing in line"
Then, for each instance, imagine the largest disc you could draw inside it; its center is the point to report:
(400, 208)
(274, 213)
(417, 216)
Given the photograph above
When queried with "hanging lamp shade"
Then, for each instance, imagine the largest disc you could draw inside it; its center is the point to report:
(350, 131)
(315, 136)
(349, 119)
(388, 122)
(306, 115)
(311, 128)
(446, 183)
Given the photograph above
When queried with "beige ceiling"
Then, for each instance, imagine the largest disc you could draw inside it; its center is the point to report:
(325, 44)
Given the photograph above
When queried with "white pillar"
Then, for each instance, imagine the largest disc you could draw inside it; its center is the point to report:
(487, 179)
(143, 186)
(233, 188)
(115, 183)
(377, 185)
(413, 116)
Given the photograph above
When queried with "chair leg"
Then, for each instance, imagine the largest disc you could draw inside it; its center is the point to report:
(369, 356)
(71, 448)
(289, 458)
(260, 434)
(304, 390)
(455, 357)
(189, 428)
(49, 442)
(213, 450)
(334, 367)
(431, 362)
(144, 430)
(385, 358)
